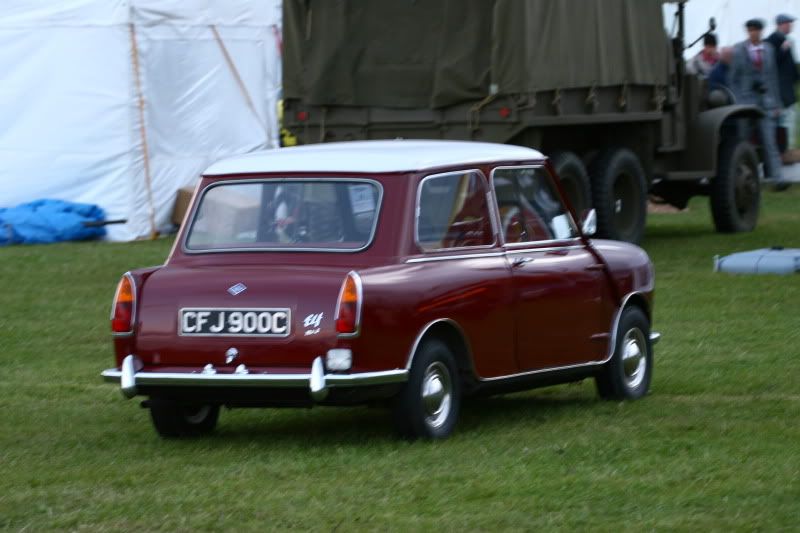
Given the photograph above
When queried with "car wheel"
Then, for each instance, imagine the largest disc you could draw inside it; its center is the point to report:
(574, 180)
(429, 403)
(735, 191)
(619, 191)
(627, 375)
(173, 419)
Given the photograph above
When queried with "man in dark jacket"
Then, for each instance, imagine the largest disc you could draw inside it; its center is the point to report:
(787, 75)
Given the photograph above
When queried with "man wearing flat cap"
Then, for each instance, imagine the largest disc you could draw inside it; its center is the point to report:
(787, 75)
(753, 78)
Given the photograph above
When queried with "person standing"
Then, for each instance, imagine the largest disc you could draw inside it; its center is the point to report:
(787, 75)
(702, 63)
(753, 78)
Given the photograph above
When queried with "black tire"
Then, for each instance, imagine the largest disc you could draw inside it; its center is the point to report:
(574, 180)
(416, 418)
(619, 193)
(735, 190)
(628, 373)
(173, 419)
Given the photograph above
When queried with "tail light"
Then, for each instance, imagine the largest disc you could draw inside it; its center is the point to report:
(348, 308)
(124, 306)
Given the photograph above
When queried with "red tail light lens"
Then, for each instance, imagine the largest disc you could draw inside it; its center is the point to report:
(348, 308)
(123, 307)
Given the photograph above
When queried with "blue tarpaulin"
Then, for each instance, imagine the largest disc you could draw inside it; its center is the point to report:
(45, 221)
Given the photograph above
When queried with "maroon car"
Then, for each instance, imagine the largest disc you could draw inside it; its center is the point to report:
(404, 273)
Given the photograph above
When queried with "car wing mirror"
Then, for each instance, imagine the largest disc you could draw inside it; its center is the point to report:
(589, 223)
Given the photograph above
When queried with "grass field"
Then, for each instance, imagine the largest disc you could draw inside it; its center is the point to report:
(716, 446)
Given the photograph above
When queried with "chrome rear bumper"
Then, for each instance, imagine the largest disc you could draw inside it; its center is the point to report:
(316, 381)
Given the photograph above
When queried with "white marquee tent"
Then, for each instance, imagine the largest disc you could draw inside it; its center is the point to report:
(122, 102)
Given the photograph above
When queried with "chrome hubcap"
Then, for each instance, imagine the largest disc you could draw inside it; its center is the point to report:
(437, 392)
(634, 362)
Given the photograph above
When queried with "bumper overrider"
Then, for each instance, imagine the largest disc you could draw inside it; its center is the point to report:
(130, 377)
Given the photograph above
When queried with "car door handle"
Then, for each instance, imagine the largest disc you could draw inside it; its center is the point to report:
(595, 266)
(519, 261)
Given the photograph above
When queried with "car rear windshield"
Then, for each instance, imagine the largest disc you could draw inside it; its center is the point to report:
(292, 215)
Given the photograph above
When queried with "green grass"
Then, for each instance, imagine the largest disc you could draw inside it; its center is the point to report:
(716, 446)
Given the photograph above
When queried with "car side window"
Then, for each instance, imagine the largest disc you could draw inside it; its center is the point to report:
(453, 212)
(530, 207)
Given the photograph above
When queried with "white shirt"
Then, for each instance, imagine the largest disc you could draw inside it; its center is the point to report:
(754, 50)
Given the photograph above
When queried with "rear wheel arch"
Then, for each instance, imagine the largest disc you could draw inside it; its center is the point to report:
(451, 333)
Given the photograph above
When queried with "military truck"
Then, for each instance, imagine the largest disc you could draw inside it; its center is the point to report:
(598, 85)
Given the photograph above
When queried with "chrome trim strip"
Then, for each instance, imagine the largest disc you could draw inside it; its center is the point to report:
(265, 335)
(453, 257)
(530, 250)
(185, 379)
(489, 201)
(543, 371)
(321, 179)
(360, 296)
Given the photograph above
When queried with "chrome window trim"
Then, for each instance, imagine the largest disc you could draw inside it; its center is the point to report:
(453, 257)
(289, 318)
(530, 250)
(359, 303)
(184, 238)
(489, 201)
(567, 211)
(135, 306)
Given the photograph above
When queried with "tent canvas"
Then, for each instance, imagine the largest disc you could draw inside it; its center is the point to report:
(87, 84)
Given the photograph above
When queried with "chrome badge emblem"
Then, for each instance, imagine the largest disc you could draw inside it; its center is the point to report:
(237, 289)
(231, 355)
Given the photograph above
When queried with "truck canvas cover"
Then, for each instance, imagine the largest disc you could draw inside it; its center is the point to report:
(436, 53)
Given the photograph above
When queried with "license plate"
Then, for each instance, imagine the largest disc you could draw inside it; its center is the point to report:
(235, 322)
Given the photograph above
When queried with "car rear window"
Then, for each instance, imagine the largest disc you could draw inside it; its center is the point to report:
(295, 215)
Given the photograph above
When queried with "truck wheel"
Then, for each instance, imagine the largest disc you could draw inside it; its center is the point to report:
(735, 191)
(175, 420)
(428, 405)
(574, 180)
(619, 191)
(627, 375)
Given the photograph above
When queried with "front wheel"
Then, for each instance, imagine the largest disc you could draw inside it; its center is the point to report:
(429, 403)
(627, 375)
(735, 190)
(173, 419)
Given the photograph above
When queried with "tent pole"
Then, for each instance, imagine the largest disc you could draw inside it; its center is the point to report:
(242, 87)
(143, 129)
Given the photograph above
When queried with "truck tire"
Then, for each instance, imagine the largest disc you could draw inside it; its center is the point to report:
(735, 190)
(574, 180)
(619, 192)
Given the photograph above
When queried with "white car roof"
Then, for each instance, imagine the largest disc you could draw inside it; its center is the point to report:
(373, 157)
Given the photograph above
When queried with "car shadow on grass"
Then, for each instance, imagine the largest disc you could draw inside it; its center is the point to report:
(324, 426)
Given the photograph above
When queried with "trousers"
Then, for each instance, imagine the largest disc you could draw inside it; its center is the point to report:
(765, 129)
